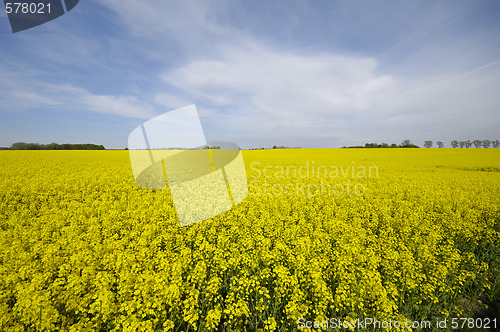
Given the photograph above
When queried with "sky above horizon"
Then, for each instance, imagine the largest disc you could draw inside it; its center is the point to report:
(261, 73)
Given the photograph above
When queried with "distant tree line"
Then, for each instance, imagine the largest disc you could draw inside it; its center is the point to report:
(477, 143)
(405, 144)
(276, 147)
(428, 144)
(54, 146)
(466, 144)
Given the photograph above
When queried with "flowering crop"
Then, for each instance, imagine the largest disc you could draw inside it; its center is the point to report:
(83, 248)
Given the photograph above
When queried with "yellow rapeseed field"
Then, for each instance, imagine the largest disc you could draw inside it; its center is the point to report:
(324, 235)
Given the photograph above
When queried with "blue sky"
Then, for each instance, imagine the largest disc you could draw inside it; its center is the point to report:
(293, 73)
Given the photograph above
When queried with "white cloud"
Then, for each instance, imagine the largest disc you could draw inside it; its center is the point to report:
(116, 105)
(188, 22)
(278, 81)
(275, 89)
(26, 91)
(264, 91)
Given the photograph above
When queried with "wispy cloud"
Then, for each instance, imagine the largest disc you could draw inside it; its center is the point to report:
(25, 91)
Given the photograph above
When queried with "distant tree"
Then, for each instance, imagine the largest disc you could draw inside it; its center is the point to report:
(440, 144)
(477, 143)
(454, 143)
(428, 144)
(19, 146)
(461, 143)
(468, 144)
(486, 143)
(405, 143)
(25, 146)
(496, 143)
(51, 146)
(275, 147)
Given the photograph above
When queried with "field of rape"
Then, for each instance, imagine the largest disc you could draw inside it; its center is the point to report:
(325, 235)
